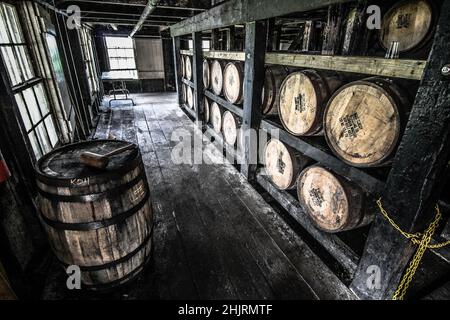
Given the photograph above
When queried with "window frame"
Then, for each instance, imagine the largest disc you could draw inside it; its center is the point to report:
(120, 57)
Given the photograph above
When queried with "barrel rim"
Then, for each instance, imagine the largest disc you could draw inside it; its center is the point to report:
(392, 100)
(102, 177)
(316, 121)
(433, 9)
(221, 115)
(208, 73)
(235, 124)
(221, 65)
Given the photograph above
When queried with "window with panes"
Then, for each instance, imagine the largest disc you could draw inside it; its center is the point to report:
(120, 53)
(27, 87)
(88, 54)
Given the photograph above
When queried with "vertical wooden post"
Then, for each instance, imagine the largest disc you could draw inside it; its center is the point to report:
(215, 38)
(197, 60)
(415, 180)
(230, 38)
(255, 52)
(177, 63)
(356, 33)
(334, 35)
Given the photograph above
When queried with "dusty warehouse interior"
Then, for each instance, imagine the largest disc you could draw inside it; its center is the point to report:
(225, 150)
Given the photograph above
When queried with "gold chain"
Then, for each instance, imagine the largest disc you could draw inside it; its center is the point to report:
(422, 240)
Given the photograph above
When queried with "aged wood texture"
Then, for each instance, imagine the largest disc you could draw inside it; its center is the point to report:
(331, 202)
(100, 221)
(283, 164)
(231, 127)
(363, 121)
(198, 75)
(274, 76)
(414, 182)
(302, 100)
(206, 74)
(216, 117)
(233, 77)
(217, 67)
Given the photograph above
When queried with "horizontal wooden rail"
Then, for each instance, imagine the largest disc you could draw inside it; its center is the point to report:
(231, 150)
(188, 82)
(359, 177)
(224, 103)
(189, 111)
(397, 68)
(241, 11)
(331, 242)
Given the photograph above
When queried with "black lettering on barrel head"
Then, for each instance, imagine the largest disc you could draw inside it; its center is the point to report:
(316, 196)
(351, 124)
(300, 104)
(403, 20)
(280, 164)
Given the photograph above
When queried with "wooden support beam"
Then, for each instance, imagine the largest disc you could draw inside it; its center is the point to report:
(230, 32)
(334, 29)
(241, 11)
(215, 39)
(415, 180)
(255, 48)
(177, 63)
(197, 60)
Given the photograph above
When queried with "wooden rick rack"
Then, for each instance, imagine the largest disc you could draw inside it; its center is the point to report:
(410, 167)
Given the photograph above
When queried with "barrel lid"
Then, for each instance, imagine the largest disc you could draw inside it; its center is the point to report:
(279, 165)
(323, 197)
(216, 117)
(216, 77)
(232, 82)
(229, 128)
(298, 103)
(408, 23)
(362, 123)
(64, 163)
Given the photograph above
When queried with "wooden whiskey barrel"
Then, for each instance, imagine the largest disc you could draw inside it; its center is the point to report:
(331, 202)
(303, 97)
(283, 164)
(99, 220)
(188, 66)
(206, 74)
(183, 66)
(217, 77)
(230, 127)
(6, 291)
(410, 23)
(363, 121)
(216, 117)
(273, 78)
(190, 97)
(233, 79)
(206, 108)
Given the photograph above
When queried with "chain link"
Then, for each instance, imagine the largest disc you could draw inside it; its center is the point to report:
(422, 240)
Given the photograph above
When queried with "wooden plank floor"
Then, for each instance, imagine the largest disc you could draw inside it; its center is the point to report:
(215, 237)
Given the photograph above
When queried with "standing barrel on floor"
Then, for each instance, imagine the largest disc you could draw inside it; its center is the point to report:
(233, 79)
(363, 121)
(183, 66)
(283, 164)
(216, 117)
(188, 64)
(332, 203)
(206, 74)
(99, 220)
(410, 23)
(190, 97)
(217, 67)
(273, 78)
(303, 97)
(206, 108)
(231, 127)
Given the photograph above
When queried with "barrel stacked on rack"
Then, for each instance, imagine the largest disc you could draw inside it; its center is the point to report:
(186, 73)
(224, 79)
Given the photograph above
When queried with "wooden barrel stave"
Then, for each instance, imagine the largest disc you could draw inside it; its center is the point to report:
(183, 66)
(217, 68)
(233, 79)
(101, 222)
(333, 203)
(273, 78)
(303, 97)
(364, 119)
(283, 164)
